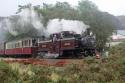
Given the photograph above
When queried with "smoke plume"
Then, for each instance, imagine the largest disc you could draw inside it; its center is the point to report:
(29, 15)
(56, 25)
(28, 20)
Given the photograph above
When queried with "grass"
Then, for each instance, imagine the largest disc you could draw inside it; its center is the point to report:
(107, 70)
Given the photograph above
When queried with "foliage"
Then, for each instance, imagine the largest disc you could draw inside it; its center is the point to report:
(100, 23)
(7, 75)
(118, 51)
(61, 10)
(91, 70)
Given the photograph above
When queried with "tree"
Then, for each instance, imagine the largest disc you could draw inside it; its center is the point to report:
(100, 23)
(61, 10)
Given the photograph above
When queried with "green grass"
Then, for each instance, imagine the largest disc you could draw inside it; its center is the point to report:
(106, 70)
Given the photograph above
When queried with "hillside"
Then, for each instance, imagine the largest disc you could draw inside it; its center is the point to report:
(115, 20)
(122, 20)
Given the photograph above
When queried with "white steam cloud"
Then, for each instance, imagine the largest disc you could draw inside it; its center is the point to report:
(5, 26)
(54, 25)
(30, 16)
(57, 25)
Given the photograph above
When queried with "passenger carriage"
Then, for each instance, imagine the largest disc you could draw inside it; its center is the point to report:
(25, 46)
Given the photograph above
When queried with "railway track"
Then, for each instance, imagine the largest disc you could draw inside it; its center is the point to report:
(46, 62)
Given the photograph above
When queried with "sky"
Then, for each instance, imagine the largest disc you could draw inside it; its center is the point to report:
(115, 7)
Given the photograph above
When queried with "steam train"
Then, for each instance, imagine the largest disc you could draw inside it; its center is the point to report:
(65, 44)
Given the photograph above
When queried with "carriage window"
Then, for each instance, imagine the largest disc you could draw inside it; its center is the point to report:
(22, 43)
(29, 43)
(9, 46)
(26, 43)
(13, 46)
(6, 46)
(16, 45)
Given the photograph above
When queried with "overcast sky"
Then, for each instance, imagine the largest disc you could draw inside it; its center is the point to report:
(115, 7)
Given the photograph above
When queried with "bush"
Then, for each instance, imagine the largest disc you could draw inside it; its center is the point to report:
(91, 70)
(7, 75)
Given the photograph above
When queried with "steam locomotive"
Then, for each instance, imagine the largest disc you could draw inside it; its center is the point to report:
(65, 44)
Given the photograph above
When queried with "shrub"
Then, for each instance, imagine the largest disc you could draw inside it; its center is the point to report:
(90, 70)
(7, 75)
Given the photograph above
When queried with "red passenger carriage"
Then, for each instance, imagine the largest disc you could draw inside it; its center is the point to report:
(26, 47)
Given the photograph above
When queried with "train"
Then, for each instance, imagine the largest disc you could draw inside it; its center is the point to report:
(64, 44)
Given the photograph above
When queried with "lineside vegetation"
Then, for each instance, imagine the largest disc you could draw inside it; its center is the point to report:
(107, 70)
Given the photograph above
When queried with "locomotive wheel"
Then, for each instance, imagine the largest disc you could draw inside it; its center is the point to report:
(89, 53)
(86, 54)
